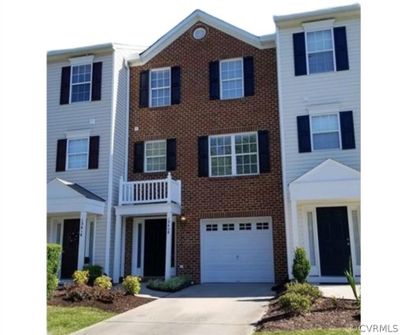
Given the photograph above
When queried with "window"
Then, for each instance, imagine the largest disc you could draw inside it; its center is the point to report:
(212, 227)
(320, 51)
(244, 226)
(356, 232)
(81, 77)
(58, 233)
(156, 157)
(77, 154)
(160, 87)
(228, 226)
(234, 155)
(231, 78)
(262, 225)
(325, 132)
(311, 244)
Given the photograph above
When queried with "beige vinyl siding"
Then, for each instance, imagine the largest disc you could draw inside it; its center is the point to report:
(299, 92)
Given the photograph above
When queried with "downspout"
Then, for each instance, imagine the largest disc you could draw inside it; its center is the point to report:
(283, 153)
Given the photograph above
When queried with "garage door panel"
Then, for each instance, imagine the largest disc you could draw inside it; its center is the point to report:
(236, 255)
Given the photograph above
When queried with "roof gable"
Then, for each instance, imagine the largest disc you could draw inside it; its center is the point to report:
(260, 42)
(61, 189)
(329, 170)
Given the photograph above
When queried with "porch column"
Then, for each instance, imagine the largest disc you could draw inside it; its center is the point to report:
(295, 228)
(117, 249)
(82, 240)
(168, 246)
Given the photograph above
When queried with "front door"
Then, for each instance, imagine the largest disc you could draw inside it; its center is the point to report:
(70, 246)
(333, 240)
(154, 247)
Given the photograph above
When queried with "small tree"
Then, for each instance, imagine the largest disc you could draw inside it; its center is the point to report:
(53, 264)
(301, 265)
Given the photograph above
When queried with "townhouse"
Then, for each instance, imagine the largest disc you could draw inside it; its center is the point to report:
(87, 114)
(213, 153)
(319, 99)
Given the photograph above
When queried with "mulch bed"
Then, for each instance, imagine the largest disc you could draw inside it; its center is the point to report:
(325, 313)
(119, 305)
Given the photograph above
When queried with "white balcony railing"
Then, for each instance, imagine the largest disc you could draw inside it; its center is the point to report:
(150, 191)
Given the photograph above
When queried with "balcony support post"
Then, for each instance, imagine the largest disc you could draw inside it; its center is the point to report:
(168, 246)
(117, 249)
(82, 240)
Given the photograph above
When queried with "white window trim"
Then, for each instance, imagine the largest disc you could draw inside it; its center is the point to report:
(67, 154)
(311, 52)
(158, 156)
(220, 77)
(90, 82)
(233, 155)
(159, 88)
(323, 132)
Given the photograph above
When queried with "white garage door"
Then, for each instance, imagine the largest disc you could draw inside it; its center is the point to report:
(237, 250)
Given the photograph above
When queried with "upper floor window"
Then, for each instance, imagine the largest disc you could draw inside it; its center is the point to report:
(234, 154)
(81, 79)
(77, 153)
(155, 156)
(160, 87)
(232, 78)
(320, 51)
(325, 132)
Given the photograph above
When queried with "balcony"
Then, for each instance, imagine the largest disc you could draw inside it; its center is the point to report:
(145, 192)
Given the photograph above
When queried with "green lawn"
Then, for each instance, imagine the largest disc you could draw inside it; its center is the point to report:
(65, 320)
(342, 331)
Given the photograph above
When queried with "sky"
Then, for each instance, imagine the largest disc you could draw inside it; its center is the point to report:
(142, 22)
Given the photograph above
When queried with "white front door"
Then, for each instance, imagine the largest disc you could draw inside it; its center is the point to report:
(237, 250)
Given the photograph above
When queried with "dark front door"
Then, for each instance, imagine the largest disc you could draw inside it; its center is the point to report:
(70, 246)
(333, 240)
(154, 247)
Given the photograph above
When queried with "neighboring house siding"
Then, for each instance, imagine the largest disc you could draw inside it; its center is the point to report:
(197, 115)
(77, 116)
(299, 92)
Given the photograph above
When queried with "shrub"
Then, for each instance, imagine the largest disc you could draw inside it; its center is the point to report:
(81, 277)
(79, 292)
(53, 264)
(311, 291)
(352, 282)
(94, 272)
(295, 303)
(103, 281)
(301, 265)
(131, 284)
(171, 285)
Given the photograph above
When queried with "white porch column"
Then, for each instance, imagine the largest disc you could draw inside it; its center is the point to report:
(168, 246)
(117, 249)
(295, 225)
(82, 240)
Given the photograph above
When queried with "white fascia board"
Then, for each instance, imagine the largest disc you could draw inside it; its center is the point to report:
(148, 209)
(298, 18)
(266, 41)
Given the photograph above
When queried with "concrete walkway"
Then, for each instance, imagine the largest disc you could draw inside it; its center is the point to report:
(207, 309)
(338, 291)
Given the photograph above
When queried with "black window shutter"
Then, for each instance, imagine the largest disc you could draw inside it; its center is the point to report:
(96, 81)
(144, 89)
(203, 156)
(248, 69)
(65, 81)
(171, 154)
(138, 160)
(61, 155)
(303, 133)
(175, 85)
(342, 58)
(214, 80)
(299, 50)
(264, 151)
(347, 130)
(94, 152)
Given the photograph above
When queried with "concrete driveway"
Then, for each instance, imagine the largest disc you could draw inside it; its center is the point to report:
(207, 309)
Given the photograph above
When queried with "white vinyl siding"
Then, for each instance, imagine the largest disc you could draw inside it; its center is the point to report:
(233, 155)
(231, 74)
(160, 87)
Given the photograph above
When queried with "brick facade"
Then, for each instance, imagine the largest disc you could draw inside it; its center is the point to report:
(195, 116)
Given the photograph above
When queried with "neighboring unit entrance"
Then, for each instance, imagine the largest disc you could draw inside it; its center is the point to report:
(333, 240)
(154, 247)
(237, 250)
(70, 247)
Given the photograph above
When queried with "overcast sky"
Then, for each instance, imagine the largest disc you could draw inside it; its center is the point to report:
(79, 23)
